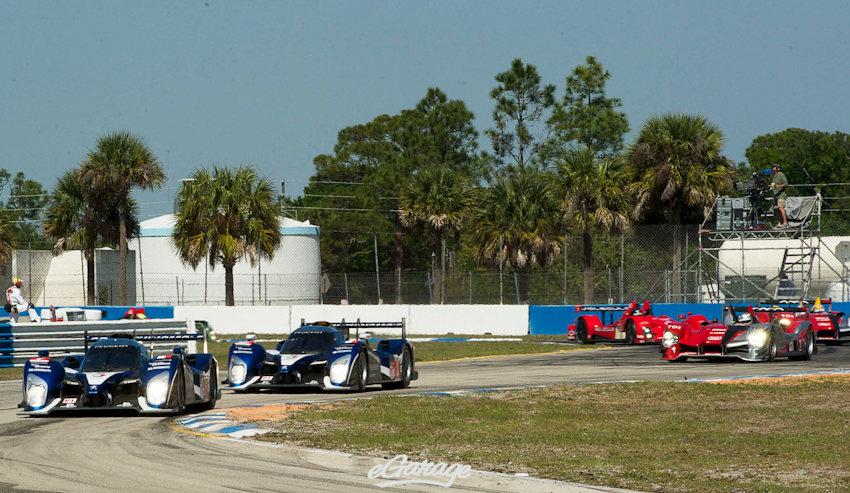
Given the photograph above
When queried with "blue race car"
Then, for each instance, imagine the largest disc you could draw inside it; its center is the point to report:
(317, 355)
(119, 372)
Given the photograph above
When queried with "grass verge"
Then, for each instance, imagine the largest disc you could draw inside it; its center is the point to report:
(11, 373)
(764, 436)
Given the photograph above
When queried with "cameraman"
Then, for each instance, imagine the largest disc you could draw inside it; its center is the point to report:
(779, 184)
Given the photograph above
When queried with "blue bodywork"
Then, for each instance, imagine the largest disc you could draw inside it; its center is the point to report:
(318, 355)
(120, 373)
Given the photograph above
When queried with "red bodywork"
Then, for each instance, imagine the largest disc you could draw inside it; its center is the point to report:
(701, 338)
(635, 325)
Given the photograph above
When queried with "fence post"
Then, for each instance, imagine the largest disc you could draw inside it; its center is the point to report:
(501, 283)
(622, 260)
(516, 287)
(565, 268)
(377, 270)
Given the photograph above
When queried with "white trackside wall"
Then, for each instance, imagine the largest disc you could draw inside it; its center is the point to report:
(503, 320)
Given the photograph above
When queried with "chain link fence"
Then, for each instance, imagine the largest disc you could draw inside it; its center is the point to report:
(642, 263)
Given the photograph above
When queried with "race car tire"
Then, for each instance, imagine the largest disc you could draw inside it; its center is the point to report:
(771, 349)
(406, 373)
(631, 332)
(181, 392)
(210, 404)
(362, 372)
(809, 349)
(581, 332)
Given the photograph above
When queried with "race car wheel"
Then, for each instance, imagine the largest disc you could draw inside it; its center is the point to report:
(631, 332)
(581, 332)
(809, 349)
(771, 349)
(406, 373)
(362, 372)
(210, 404)
(181, 392)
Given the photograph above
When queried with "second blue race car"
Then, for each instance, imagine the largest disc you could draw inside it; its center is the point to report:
(319, 355)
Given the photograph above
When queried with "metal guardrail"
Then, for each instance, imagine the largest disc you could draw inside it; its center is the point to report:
(20, 342)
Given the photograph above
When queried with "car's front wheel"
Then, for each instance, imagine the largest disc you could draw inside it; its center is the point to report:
(361, 372)
(181, 392)
(581, 332)
(631, 332)
(771, 349)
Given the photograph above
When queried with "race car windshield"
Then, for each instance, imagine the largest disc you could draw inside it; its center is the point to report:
(308, 343)
(111, 359)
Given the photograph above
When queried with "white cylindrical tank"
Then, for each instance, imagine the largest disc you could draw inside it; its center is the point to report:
(291, 277)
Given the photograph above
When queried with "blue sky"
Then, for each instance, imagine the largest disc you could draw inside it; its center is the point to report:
(271, 83)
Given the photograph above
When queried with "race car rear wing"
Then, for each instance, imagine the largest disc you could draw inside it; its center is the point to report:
(345, 327)
(147, 338)
(600, 308)
(797, 302)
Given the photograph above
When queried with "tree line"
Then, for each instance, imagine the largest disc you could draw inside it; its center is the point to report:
(403, 188)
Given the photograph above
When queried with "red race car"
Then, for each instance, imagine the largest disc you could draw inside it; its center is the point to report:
(829, 326)
(757, 334)
(635, 325)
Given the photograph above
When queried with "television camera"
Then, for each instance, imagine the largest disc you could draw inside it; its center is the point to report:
(756, 189)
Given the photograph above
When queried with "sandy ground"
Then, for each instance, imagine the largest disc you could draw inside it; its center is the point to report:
(274, 412)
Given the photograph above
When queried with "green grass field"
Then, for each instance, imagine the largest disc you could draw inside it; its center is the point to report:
(646, 436)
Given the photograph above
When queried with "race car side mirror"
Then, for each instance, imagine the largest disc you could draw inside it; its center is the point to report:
(180, 350)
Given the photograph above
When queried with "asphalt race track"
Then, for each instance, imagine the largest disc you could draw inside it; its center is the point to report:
(89, 453)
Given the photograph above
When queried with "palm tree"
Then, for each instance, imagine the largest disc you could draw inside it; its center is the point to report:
(517, 222)
(594, 196)
(440, 197)
(78, 217)
(120, 162)
(223, 216)
(7, 243)
(676, 163)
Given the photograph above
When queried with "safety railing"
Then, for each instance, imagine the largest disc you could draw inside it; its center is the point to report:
(20, 342)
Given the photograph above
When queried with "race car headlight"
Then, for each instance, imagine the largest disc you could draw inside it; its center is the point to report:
(669, 339)
(339, 370)
(757, 338)
(157, 390)
(237, 373)
(784, 322)
(36, 393)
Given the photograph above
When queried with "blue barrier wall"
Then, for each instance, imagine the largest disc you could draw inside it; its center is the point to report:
(116, 312)
(555, 319)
